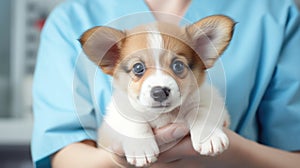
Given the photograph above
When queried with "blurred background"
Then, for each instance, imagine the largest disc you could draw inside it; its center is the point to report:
(21, 22)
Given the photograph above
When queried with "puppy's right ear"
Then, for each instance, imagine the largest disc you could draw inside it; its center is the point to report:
(102, 45)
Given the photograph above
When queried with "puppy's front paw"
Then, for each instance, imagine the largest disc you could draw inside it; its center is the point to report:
(141, 152)
(215, 144)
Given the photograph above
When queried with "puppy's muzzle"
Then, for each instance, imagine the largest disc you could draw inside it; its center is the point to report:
(159, 93)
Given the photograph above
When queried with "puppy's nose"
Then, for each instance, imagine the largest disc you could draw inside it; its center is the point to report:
(159, 93)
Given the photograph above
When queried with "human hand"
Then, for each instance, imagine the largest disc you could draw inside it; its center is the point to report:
(176, 148)
(170, 135)
(178, 151)
(166, 137)
(183, 155)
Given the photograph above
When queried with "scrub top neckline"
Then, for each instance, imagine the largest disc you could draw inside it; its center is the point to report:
(186, 17)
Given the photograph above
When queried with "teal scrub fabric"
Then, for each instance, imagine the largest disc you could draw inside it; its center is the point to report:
(259, 73)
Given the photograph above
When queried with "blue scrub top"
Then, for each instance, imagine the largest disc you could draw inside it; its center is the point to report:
(260, 71)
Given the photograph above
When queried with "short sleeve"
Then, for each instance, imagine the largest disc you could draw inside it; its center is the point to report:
(62, 103)
(279, 112)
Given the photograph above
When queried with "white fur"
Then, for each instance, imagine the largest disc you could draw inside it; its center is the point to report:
(205, 115)
(155, 42)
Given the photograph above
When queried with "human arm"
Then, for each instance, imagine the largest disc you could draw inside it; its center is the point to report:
(82, 154)
(241, 153)
(86, 153)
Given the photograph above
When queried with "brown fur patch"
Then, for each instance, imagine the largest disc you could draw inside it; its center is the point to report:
(86, 35)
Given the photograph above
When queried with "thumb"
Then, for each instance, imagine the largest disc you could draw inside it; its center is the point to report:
(170, 133)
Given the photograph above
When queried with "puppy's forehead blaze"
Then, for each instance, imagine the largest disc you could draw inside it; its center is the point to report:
(161, 36)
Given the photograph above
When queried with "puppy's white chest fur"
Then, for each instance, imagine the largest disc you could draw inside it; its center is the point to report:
(165, 119)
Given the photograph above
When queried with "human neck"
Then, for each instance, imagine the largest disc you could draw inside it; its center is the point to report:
(168, 10)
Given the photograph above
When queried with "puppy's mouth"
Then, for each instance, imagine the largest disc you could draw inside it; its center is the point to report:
(152, 104)
(161, 105)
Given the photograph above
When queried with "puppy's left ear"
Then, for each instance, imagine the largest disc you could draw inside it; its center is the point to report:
(210, 37)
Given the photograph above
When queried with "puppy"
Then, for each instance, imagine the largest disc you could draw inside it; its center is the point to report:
(158, 75)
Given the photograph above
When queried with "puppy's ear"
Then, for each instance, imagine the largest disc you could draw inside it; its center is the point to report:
(210, 37)
(102, 45)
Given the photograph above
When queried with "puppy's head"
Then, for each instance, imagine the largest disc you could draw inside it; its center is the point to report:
(158, 65)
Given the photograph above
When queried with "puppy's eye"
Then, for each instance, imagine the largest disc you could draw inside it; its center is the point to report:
(139, 69)
(178, 66)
